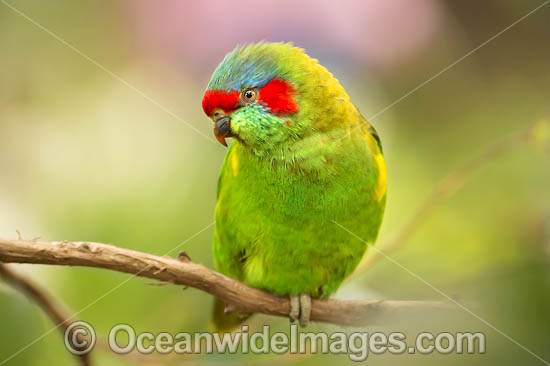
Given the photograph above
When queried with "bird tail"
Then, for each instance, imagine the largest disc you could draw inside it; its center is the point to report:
(226, 322)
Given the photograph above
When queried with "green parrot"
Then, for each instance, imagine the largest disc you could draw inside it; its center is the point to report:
(302, 161)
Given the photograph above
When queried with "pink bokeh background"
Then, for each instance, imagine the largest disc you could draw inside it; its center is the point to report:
(380, 34)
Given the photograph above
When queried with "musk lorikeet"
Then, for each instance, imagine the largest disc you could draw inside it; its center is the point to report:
(302, 159)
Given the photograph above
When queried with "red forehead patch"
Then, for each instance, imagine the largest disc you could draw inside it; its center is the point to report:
(277, 95)
(213, 99)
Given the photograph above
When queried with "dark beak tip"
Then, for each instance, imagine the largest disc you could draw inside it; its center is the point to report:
(221, 140)
(222, 129)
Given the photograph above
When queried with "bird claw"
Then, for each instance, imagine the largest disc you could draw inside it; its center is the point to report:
(294, 308)
(305, 309)
(300, 309)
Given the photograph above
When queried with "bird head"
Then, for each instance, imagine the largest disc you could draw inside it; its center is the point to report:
(266, 94)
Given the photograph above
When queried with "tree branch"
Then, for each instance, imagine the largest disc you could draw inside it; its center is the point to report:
(58, 315)
(237, 295)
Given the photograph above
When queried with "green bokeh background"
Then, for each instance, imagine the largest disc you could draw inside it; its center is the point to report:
(85, 156)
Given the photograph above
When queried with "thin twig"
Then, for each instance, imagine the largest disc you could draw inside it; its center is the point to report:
(241, 297)
(447, 187)
(44, 300)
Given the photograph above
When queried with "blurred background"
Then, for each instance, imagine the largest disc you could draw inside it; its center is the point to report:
(100, 140)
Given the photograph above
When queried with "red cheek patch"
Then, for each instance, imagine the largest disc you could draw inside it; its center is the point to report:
(214, 99)
(277, 95)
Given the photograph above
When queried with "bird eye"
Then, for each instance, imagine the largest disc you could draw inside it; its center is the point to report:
(249, 95)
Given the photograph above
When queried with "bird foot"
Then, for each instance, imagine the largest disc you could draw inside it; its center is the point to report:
(300, 308)
(294, 307)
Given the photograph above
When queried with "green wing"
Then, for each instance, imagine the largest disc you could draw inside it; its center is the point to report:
(228, 253)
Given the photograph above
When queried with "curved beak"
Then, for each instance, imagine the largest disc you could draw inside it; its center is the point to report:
(222, 126)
